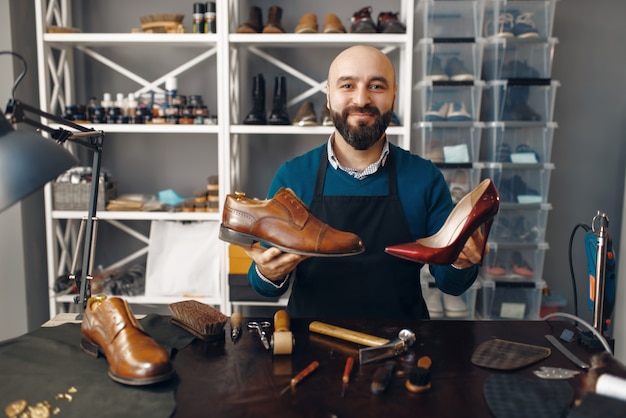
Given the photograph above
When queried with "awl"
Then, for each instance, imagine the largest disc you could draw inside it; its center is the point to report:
(298, 378)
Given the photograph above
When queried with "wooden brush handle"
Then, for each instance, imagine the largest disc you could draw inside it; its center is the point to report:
(347, 334)
(281, 321)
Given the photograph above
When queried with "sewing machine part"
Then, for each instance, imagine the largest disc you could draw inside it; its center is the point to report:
(555, 373)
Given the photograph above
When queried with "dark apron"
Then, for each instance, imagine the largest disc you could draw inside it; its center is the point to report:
(369, 285)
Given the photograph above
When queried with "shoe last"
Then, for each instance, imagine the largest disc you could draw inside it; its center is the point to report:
(388, 23)
(361, 21)
(332, 24)
(306, 115)
(284, 222)
(134, 358)
(307, 24)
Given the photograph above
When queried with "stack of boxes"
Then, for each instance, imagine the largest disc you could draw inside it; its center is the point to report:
(483, 109)
(517, 110)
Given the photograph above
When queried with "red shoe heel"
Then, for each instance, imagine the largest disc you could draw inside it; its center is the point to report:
(478, 207)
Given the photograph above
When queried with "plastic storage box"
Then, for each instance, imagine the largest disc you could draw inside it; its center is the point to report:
(519, 183)
(514, 262)
(442, 306)
(505, 100)
(520, 223)
(449, 19)
(452, 145)
(448, 61)
(519, 19)
(448, 103)
(505, 58)
(521, 144)
(506, 300)
(460, 180)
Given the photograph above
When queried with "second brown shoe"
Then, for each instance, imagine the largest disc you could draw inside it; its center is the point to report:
(134, 358)
(332, 24)
(307, 24)
(284, 222)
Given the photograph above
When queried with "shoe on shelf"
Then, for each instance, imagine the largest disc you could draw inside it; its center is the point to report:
(478, 207)
(433, 303)
(520, 266)
(306, 115)
(437, 72)
(455, 306)
(437, 112)
(458, 112)
(502, 27)
(361, 21)
(284, 222)
(109, 327)
(456, 70)
(307, 24)
(332, 24)
(274, 17)
(254, 23)
(279, 114)
(388, 23)
(326, 118)
(257, 114)
(525, 26)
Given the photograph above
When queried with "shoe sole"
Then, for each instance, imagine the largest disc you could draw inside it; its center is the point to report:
(248, 240)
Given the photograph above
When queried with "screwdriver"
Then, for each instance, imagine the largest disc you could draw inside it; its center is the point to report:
(298, 378)
(346, 375)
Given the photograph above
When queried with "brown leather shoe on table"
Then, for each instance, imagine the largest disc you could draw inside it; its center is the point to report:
(307, 24)
(284, 222)
(134, 358)
(332, 24)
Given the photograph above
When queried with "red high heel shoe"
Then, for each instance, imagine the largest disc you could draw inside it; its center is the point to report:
(478, 207)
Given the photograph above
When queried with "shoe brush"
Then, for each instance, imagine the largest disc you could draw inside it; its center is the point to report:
(199, 319)
(419, 376)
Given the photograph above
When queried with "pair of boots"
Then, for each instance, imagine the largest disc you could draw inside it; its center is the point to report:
(255, 21)
(278, 115)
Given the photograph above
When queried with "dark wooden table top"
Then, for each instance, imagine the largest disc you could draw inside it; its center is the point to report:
(245, 380)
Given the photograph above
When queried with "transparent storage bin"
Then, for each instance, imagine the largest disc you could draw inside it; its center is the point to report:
(506, 300)
(442, 306)
(506, 100)
(460, 180)
(522, 19)
(516, 144)
(512, 58)
(449, 19)
(448, 61)
(519, 183)
(451, 145)
(448, 103)
(520, 223)
(514, 262)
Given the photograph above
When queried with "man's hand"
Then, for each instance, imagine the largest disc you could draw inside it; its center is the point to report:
(272, 262)
(472, 251)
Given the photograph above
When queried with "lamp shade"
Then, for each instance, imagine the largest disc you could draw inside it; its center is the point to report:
(27, 162)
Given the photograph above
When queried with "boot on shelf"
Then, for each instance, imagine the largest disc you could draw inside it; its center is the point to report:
(307, 24)
(257, 114)
(274, 16)
(279, 115)
(254, 23)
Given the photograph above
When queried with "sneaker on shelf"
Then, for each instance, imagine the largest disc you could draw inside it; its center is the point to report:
(361, 21)
(521, 112)
(525, 26)
(433, 303)
(437, 112)
(436, 72)
(455, 306)
(388, 23)
(457, 71)
(502, 27)
(458, 112)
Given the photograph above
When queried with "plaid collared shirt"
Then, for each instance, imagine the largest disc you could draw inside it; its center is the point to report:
(357, 174)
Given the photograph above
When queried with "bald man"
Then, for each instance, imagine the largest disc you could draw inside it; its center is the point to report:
(360, 182)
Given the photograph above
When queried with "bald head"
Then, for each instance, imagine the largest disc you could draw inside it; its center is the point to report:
(362, 61)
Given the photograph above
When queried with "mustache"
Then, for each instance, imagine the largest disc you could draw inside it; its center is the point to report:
(360, 109)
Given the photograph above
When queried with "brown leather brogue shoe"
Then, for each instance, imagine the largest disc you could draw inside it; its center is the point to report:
(284, 222)
(134, 358)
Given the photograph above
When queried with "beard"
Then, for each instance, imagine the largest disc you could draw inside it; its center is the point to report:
(362, 136)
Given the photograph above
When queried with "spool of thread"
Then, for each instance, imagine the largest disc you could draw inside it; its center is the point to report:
(282, 339)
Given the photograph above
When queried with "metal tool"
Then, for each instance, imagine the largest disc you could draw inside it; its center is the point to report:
(259, 327)
(555, 373)
(555, 342)
(298, 378)
(405, 339)
(235, 326)
(345, 379)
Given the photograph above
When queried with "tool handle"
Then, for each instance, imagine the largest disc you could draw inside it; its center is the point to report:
(281, 321)
(347, 370)
(346, 334)
(304, 373)
(235, 320)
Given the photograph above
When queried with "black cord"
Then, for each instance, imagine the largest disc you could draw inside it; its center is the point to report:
(571, 264)
(22, 74)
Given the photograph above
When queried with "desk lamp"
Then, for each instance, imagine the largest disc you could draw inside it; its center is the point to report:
(28, 161)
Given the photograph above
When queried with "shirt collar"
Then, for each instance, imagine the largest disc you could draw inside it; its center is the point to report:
(357, 174)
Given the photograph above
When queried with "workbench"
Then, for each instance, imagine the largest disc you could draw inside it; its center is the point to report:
(243, 379)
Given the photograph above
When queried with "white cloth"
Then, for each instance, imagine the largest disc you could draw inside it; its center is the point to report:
(611, 386)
